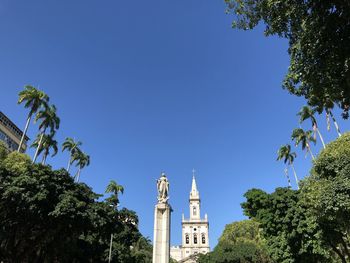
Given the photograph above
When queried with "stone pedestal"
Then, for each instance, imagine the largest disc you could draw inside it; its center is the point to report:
(161, 238)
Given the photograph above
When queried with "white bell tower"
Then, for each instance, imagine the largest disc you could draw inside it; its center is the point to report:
(195, 202)
(195, 230)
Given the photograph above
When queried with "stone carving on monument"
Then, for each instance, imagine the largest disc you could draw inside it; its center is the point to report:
(162, 214)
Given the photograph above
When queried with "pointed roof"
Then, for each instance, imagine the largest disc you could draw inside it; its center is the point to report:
(194, 192)
(194, 185)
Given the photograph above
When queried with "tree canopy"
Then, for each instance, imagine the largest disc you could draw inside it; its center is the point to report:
(312, 224)
(46, 217)
(327, 193)
(291, 232)
(240, 242)
(318, 33)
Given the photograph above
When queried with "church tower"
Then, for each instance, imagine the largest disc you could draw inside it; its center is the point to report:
(195, 230)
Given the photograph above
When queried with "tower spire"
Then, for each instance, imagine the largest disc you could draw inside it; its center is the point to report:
(194, 185)
(194, 192)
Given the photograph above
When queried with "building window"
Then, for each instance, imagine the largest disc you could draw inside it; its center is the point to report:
(187, 239)
(194, 210)
(203, 239)
(10, 143)
(195, 238)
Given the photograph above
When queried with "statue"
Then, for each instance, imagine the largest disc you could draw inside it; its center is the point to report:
(162, 216)
(163, 189)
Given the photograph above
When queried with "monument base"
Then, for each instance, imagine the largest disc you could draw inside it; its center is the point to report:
(161, 238)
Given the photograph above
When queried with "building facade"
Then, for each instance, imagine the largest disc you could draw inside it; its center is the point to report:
(195, 231)
(10, 134)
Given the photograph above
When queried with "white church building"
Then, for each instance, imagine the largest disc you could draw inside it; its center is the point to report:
(195, 231)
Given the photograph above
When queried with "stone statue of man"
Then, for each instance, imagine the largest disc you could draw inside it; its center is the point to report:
(163, 189)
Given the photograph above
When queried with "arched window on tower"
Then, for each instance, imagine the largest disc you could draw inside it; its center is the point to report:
(187, 238)
(195, 238)
(203, 238)
(194, 210)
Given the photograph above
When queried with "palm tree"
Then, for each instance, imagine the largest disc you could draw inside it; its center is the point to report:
(307, 113)
(115, 189)
(72, 146)
(49, 119)
(303, 137)
(329, 113)
(47, 143)
(288, 158)
(82, 161)
(34, 99)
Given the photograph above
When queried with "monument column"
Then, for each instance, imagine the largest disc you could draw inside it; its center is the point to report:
(162, 215)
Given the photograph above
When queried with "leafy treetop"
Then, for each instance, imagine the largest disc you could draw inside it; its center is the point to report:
(319, 45)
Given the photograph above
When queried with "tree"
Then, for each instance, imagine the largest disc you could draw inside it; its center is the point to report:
(142, 250)
(241, 230)
(241, 252)
(4, 151)
(113, 200)
(291, 232)
(43, 213)
(307, 113)
(49, 119)
(82, 160)
(114, 189)
(303, 137)
(34, 99)
(47, 142)
(73, 147)
(46, 217)
(241, 242)
(319, 45)
(285, 154)
(326, 192)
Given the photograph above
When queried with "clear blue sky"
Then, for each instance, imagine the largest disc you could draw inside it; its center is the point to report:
(156, 85)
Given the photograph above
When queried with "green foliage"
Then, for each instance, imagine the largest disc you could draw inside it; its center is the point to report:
(142, 250)
(241, 230)
(3, 151)
(82, 160)
(334, 161)
(292, 233)
(327, 194)
(310, 225)
(17, 164)
(114, 189)
(73, 147)
(47, 143)
(284, 153)
(319, 45)
(49, 118)
(46, 217)
(33, 98)
(239, 243)
(307, 113)
(303, 137)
